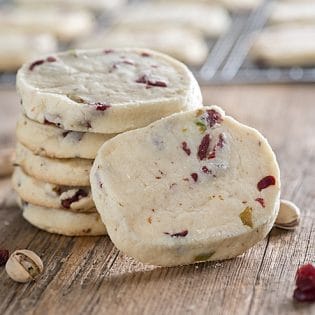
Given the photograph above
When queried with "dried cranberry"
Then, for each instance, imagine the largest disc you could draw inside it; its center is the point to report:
(305, 277)
(212, 154)
(206, 170)
(66, 203)
(145, 80)
(4, 256)
(203, 147)
(179, 234)
(51, 59)
(100, 106)
(194, 176)
(305, 282)
(186, 148)
(261, 201)
(36, 63)
(213, 117)
(304, 296)
(221, 141)
(266, 182)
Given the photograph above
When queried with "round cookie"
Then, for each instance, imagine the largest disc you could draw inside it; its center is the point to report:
(285, 46)
(37, 192)
(49, 140)
(68, 172)
(66, 25)
(19, 47)
(197, 186)
(106, 91)
(63, 222)
(169, 40)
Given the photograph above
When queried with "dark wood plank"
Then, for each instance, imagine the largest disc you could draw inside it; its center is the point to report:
(89, 276)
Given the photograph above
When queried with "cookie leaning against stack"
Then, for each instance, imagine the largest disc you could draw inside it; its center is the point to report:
(72, 103)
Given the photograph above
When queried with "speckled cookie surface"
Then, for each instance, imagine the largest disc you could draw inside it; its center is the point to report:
(51, 141)
(37, 192)
(198, 186)
(105, 91)
(63, 222)
(69, 172)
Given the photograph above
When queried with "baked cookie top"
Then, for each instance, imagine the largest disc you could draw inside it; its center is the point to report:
(196, 186)
(106, 91)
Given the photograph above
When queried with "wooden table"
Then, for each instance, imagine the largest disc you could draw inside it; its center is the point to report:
(88, 275)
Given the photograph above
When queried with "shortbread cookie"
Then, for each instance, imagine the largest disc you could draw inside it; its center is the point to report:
(183, 44)
(231, 5)
(285, 46)
(95, 5)
(37, 192)
(287, 13)
(66, 25)
(210, 20)
(66, 172)
(196, 186)
(106, 91)
(63, 222)
(49, 140)
(19, 47)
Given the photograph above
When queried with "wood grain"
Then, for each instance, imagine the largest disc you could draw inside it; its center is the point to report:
(88, 275)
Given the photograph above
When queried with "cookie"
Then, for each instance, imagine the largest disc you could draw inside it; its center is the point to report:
(285, 46)
(210, 20)
(19, 47)
(51, 141)
(65, 172)
(64, 24)
(37, 192)
(106, 91)
(292, 13)
(193, 50)
(63, 222)
(94, 5)
(197, 186)
(231, 5)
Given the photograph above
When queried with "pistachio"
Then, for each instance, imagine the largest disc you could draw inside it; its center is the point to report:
(289, 216)
(23, 266)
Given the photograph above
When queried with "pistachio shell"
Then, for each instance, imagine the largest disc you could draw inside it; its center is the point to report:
(289, 216)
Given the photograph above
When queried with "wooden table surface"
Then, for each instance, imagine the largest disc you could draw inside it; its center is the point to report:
(88, 275)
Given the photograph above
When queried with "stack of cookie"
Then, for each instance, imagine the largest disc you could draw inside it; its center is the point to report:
(72, 103)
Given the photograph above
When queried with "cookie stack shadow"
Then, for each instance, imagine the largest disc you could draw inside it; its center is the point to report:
(51, 172)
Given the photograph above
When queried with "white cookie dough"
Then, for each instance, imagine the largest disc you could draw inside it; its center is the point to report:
(66, 172)
(106, 91)
(19, 47)
(65, 25)
(292, 13)
(63, 222)
(210, 20)
(285, 46)
(37, 192)
(183, 44)
(51, 141)
(197, 186)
